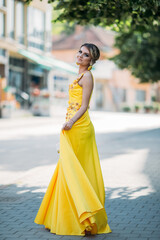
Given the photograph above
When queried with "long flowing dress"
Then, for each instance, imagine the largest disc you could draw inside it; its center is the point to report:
(75, 198)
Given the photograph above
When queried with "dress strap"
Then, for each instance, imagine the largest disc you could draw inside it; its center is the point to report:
(80, 77)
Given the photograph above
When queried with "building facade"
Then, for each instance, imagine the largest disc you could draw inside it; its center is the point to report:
(23, 29)
(114, 88)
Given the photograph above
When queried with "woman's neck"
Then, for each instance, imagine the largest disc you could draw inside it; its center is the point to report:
(82, 69)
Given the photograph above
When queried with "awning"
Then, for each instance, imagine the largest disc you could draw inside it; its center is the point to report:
(48, 62)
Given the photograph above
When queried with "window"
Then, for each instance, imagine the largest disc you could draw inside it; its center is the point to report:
(60, 83)
(48, 27)
(119, 94)
(140, 95)
(122, 94)
(16, 62)
(20, 22)
(15, 79)
(10, 16)
(2, 19)
(35, 19)
(99, 95)
(2, 3)
(2, 52)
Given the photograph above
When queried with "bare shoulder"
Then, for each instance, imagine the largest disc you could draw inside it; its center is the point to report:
(88, 75)
(87, 79)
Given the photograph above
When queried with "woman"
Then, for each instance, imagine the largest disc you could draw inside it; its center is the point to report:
(74, 201)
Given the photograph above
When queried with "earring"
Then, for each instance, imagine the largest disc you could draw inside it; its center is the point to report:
(90, 67)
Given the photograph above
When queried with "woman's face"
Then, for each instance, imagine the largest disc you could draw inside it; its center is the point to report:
(83, 57)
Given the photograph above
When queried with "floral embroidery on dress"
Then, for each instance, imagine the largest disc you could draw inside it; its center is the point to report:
(72, 109)
(73, 106)
(71, 86)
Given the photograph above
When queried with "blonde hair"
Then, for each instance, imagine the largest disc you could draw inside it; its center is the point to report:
(94, 51)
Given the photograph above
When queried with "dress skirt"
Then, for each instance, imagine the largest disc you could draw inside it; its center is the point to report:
(75, 198)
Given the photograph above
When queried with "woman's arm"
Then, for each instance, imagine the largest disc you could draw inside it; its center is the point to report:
(87, 85)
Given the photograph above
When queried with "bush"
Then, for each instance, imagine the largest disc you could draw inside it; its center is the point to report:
(137, 107)
(156, 107)
(126, 109)
(148, 108)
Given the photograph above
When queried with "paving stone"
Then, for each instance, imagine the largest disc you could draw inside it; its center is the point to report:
(132, 192)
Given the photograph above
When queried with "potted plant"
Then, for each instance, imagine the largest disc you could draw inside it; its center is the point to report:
(136, 108)
(148, 108)
(126, 109)
(156, 107)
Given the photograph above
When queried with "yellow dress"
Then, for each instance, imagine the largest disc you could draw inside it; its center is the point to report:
(74, 200)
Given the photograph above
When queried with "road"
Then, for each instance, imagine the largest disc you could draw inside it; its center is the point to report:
(129, 150)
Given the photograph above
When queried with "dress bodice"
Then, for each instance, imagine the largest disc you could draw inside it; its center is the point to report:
(75, 98)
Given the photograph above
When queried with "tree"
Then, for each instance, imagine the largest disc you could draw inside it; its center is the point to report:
(139, 52)
(107, 12)
(137, 23)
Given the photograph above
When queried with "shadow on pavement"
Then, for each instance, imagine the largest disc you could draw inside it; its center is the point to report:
(128, 218)
(121, 143)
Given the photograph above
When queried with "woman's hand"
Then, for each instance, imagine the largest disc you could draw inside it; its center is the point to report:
(68, 125)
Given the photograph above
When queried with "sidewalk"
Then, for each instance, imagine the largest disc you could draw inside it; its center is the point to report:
(129, 152)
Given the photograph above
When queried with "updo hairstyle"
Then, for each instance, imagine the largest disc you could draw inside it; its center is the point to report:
(94, 51)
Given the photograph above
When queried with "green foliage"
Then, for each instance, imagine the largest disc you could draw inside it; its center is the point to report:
(106, 12)
(138, 24)
(58, 27)
(139, 52)
(156, 106)
(137, 107)
(126, 108)
(148, 107)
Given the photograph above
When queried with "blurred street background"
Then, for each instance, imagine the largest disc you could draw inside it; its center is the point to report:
(38, 46)
(38, 58)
